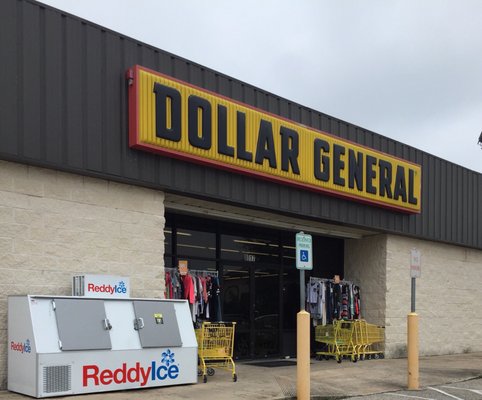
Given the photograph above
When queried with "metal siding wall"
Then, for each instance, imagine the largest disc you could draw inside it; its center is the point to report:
(64, 105)
(93, 76)
(10, 101)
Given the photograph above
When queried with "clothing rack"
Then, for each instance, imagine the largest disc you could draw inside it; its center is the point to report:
(341, 282)
(201, 272)
(330, 299)
(199, 287)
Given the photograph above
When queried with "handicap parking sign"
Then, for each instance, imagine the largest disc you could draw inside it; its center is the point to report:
(303, 251)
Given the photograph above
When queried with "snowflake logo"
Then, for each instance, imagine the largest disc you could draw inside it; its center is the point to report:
(122, 284)
(168, 357)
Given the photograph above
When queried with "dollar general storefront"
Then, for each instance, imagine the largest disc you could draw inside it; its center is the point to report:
(119, 158)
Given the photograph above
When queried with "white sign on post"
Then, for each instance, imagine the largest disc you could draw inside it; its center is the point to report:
(304, 253)
(415, 264)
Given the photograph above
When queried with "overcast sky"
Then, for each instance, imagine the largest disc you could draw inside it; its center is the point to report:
(407, 69)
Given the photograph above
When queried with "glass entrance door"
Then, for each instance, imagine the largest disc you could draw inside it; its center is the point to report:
(266, 306)
(237, 300)
(252, 299)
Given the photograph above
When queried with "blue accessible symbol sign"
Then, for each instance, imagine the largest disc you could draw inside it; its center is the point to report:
(303, 251)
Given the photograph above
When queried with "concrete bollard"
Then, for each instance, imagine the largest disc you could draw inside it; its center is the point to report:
(412, 348)
(303, 355)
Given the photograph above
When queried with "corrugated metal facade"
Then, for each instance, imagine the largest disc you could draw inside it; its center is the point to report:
(63, 105)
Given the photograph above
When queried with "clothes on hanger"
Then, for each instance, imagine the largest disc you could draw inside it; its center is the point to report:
(327, 300)
(200, 288)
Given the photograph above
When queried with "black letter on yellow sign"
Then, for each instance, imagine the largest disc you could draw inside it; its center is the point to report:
(223, 147)
(265, 146)
(400, 184)
(289, 155)
(385, 178)
(370, 174)
(355, 170)
(322, 174)
(241, 152)
(194, 104)
(162, 130)
(411, 179)
(338, 164)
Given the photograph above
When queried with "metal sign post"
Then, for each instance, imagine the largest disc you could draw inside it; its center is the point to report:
(412, 323)
(304, 261)
(415, 272)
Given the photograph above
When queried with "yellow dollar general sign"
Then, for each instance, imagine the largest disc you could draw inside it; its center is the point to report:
(177, 119)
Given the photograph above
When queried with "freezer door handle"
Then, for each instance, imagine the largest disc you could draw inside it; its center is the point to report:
(107, 325)
(138, 323)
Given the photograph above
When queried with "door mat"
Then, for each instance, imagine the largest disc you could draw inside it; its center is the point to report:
(272, 364)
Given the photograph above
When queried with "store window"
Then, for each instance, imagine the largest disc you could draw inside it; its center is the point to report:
(249, 248)
(193, 243)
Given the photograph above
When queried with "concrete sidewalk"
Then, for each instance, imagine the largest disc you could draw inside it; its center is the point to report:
(327, 379)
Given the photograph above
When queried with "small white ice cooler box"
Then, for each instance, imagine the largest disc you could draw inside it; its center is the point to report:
(59, 345)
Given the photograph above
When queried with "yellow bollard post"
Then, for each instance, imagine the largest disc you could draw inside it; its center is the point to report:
(303, 355)
(412, 348)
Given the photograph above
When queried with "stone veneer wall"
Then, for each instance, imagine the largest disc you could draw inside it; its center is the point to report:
(365, 265)
(448, 295)
(54, 225)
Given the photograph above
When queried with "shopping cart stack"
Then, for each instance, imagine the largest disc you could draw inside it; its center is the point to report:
(373, 341)
(215, 348)
(337, 340)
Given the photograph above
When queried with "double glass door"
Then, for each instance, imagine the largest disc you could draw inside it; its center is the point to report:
(252, 298)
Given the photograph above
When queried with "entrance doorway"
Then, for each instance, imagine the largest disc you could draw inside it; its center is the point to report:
(252, 299)
(258, 277)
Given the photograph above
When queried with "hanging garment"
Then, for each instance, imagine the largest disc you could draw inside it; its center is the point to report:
(352, 302)
(356, 291)
(215, 303)
(188, 288)
(313, 290)
(344, 302)
(168, 293)
(329, 302)
(337, 301)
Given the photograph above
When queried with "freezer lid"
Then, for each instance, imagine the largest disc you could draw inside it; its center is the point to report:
(157, 324)
(82, 324)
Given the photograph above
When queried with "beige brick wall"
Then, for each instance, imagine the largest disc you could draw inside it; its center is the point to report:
(54, 225)
(365, 265)
(448, 297)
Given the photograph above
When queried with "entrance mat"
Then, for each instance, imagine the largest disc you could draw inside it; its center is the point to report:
(272, 364)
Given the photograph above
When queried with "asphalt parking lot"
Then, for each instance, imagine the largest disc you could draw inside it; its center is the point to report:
(465, 390)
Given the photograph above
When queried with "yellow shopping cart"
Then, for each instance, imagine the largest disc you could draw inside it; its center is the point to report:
(337, 339)
(215, 348)
(372, 340)
(356, 339)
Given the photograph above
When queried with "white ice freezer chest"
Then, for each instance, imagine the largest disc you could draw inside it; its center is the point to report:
(60, 345)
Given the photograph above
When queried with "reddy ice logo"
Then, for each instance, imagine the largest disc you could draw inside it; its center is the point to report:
(21, 347)
(109, 289)
(93, 375)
